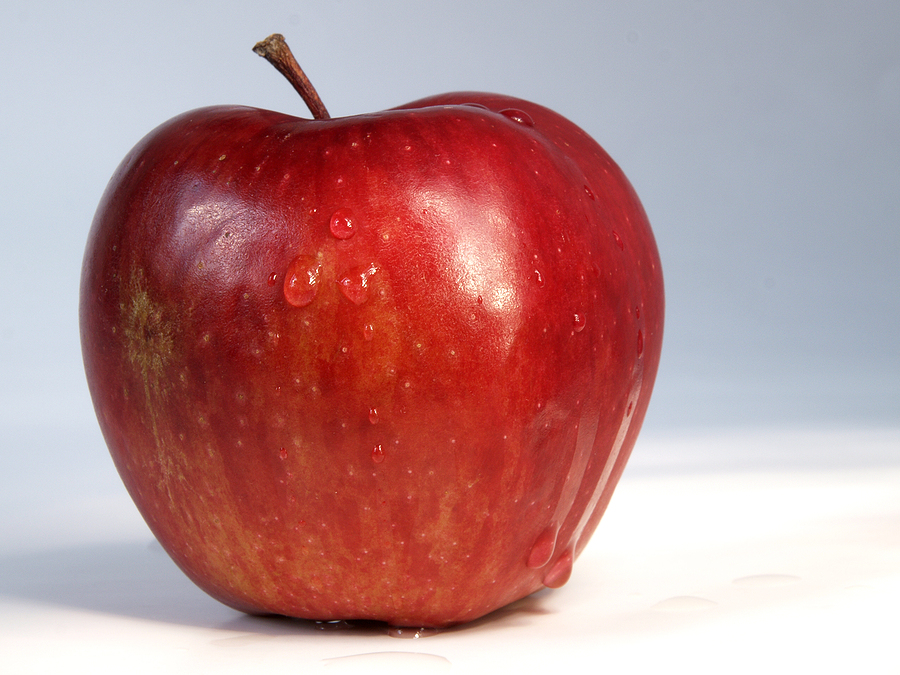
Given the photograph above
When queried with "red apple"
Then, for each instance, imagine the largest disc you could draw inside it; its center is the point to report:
(382, 367)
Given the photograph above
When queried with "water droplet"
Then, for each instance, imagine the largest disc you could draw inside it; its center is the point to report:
(301, 280)
(640, 343)
(412, 633)
(342, 224)
(476, 105)
(637, 312)
(589, 192)
(518, 116)
(378, 454)
(273, 279)
(579, 322)
(619, 242)
(355, 284)
(282, 453)
(560, 571)
(543, 548)
(373, 415)
(339, 624)
(539, 278)
(368, 332)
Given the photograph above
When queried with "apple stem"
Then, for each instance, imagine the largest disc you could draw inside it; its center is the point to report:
(275, 50)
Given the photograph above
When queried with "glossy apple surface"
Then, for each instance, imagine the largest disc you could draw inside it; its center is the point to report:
(383, 367)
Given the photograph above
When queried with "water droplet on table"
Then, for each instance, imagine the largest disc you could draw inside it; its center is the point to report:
(412, 633)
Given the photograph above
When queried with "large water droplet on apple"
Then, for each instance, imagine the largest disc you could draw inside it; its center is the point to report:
(355, 283)
(619, 242)
(368, 332)
(342, 224)
(543, 547)
(560, 571)
(640, 343)
(378, 454)
(373, 415)
(301, 280)
(518, 116)
(589, 192)
(538, 278)
(579, 322)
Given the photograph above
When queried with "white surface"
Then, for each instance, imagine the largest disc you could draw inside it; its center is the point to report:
(762, 552)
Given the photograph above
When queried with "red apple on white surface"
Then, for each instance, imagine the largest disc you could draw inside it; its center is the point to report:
(383, 367)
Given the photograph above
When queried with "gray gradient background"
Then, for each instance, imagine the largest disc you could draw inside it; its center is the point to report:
(763, 138)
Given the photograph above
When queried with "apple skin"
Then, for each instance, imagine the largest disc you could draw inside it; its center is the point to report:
(384, 367)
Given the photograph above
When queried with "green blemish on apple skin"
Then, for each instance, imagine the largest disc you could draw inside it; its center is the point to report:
(149, 349)
(149, 337)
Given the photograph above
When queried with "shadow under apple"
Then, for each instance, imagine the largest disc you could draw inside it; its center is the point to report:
(138, 580)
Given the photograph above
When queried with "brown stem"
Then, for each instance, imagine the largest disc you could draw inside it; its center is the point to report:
(275, 50)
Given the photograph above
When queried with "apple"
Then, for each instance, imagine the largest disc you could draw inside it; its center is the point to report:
(385, 367)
